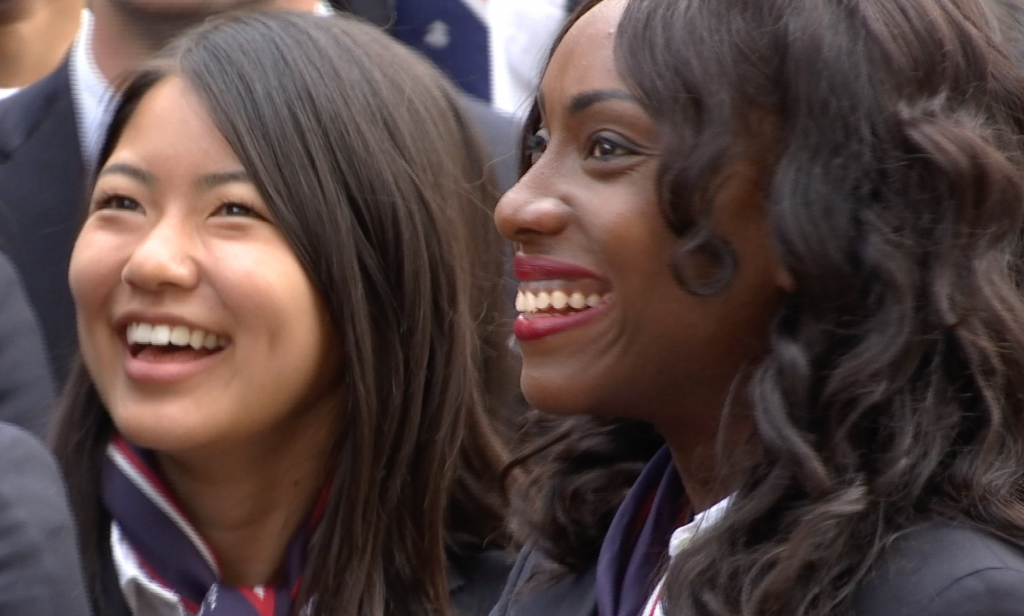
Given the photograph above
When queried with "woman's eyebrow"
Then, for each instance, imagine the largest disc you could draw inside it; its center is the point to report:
(136, 173)
(581, 101)
(212, 180)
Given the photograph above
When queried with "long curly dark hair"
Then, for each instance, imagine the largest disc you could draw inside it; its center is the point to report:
(893, 390)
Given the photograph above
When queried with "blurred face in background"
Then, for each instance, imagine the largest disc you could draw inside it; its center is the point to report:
(198, 325)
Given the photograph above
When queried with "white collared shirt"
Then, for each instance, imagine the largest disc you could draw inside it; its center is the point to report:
(91, 93)
(681, 537)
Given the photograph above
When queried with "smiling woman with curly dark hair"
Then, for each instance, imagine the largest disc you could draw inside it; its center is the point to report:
(769, 261)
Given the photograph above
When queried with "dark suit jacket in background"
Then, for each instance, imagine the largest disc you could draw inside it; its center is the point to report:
(940, 570)
(40, 572)
(26, 389)
(42, 204)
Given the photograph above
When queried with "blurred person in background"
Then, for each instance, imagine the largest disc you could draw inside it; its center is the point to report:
(34, 38)
(49, 139)
(280, 404)
(26, 387)
(40, 568)
(521, 33)
(432, 27)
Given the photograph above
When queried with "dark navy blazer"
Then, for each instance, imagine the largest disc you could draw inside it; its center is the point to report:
(42, 204)
(942, 569)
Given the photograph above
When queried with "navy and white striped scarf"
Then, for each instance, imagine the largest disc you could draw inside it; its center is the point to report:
(171, 550)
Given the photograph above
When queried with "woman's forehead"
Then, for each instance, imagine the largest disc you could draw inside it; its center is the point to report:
(585, 58)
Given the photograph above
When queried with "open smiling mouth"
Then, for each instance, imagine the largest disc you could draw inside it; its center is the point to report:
(158, 343)
(550, 307)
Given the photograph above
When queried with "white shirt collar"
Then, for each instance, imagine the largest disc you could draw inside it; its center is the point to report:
(701, 522)
(92, 94)
(680, 538)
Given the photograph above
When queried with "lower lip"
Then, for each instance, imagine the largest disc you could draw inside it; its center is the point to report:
(165, 373)
(542, 327)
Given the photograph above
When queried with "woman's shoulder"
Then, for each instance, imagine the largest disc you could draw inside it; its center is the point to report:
(475, 580)
(538, 585)
(945, 569)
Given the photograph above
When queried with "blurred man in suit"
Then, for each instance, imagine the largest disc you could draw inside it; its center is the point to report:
(40, 569)
(26, 389)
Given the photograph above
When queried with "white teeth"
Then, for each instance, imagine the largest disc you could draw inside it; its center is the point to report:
(161, 335)
(180, 335)
(176, 335)
(143, 332)
(529, 302)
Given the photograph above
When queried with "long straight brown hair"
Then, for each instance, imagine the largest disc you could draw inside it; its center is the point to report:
(363, 156)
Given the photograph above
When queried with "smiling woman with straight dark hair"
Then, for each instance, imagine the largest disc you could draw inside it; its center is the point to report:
(280, 407)
(769, 258)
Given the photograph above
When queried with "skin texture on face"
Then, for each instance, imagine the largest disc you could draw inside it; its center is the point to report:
(653, 351)
(178, 234)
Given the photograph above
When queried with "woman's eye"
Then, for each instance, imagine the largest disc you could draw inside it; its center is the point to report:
(118, 202)
(536, 144)
(236, 209)
(603, 148)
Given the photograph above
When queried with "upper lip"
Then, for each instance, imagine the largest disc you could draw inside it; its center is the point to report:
(544, 268)
(122, 322)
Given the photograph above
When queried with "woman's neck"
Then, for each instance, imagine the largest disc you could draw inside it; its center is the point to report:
(248, 503)
(712, 457)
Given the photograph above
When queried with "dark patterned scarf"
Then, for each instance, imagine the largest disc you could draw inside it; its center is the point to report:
(638, 538)
(171, 550)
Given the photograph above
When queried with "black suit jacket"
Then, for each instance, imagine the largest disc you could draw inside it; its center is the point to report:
(26, 389)
(42, 203)
(942, 569)
(40, 572)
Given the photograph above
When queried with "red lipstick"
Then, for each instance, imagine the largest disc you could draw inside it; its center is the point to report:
(542, 327)
(532, 268)
(543, 268)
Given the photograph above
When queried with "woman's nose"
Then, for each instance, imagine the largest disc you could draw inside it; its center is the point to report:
(164, 260)
(525, 213)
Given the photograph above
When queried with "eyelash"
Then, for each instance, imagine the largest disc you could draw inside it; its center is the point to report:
(106, 202)
(537, 143)
(618, 148)
(249, 210)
